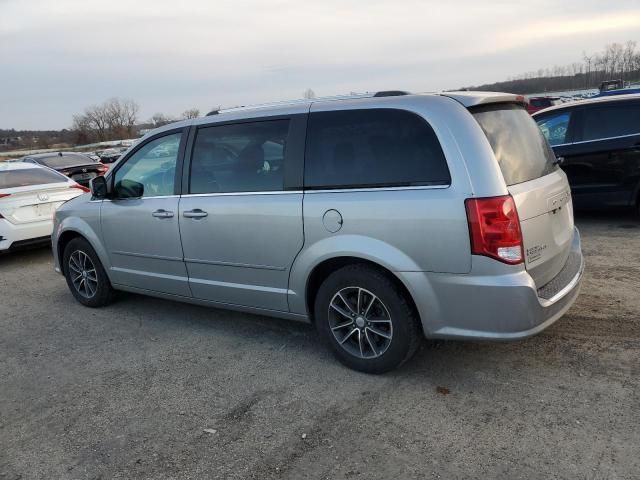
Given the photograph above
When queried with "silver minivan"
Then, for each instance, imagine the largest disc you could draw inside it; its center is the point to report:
(380, 219)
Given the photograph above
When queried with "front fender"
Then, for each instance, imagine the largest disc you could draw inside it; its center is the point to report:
(86, 229)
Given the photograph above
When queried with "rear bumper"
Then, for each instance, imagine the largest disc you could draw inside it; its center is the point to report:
(12, 235)
(496, 307)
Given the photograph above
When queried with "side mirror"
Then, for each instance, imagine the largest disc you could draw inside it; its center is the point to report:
(98, 186)
(129, 189)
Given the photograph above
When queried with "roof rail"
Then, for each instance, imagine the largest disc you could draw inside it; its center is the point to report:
(353, 96)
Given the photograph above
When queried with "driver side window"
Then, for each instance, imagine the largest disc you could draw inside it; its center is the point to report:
(153, 166)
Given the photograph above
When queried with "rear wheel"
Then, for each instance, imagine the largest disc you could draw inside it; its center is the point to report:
(85, 275)
(367, 319)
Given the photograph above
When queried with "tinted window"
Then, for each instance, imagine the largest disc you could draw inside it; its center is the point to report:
(611, 120)
(153, 165)
(245, 157)
(64, 161)
(29, 176)
(518, 144)
(373, 147)
(540, 102)
(555, 126)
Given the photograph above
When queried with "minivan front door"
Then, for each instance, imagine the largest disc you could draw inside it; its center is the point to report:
(241, 230)
(140, 229)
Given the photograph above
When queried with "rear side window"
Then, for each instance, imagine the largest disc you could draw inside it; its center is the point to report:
(372, 148)
(611, 120)
(521, 150)
(244, 157)
(29, 176)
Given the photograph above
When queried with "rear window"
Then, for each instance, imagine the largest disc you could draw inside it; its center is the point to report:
(518, 144)
(29, 176)
(372, 148)
(65, 161)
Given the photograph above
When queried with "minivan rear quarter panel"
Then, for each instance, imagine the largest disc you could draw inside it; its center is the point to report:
(404, 229)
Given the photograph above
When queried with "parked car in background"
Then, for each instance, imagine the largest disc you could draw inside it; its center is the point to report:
(29, 196)
(616, 87)
(92, 156)
(538, 103)
(77, 166)
(110, 155)
(598, 141)
(442, 215)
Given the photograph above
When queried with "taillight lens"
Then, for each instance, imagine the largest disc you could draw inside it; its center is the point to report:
(80, 187)
(494, 228)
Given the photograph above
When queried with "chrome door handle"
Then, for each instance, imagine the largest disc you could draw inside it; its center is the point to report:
(162, 214)
(195, 213)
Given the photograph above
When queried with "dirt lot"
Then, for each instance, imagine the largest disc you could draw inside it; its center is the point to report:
(127, 391)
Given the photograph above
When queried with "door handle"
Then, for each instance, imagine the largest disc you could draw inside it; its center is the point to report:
(162, 214)
(195, 213)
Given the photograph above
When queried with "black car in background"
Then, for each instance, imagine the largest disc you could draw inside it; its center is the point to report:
(598, 142)
(77, 166)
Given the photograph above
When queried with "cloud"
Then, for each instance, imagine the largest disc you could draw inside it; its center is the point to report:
(170, 56)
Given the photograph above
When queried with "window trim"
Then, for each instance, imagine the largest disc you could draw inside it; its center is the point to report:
(177, 185)
(378, 186)
(293, 160)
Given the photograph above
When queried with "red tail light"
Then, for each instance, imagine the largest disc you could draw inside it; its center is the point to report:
(80, 187)
(494, 228)
(102, 169)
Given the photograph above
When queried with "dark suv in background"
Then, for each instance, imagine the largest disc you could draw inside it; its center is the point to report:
(598, 142)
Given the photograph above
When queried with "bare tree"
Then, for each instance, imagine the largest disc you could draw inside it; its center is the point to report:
(627, 57)
(191, 113)
(309, 94)
(113, 119)
(160, 119)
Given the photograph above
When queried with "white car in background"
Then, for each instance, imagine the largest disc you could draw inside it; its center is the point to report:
(29, 196)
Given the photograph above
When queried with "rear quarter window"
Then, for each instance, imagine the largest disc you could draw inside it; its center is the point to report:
(521, 150)
(29, 176)
(372, 148)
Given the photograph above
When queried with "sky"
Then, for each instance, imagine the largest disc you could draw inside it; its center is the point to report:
(59, 56)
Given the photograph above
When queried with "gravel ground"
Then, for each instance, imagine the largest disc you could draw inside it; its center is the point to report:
(152, 389)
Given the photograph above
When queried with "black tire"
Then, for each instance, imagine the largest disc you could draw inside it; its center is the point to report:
(403, 326)
(103, 293)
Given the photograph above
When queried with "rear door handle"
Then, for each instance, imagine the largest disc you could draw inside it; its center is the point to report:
(195, 213)
(162, 214)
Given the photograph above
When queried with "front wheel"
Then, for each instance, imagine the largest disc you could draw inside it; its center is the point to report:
(85, 275)
(367, 319)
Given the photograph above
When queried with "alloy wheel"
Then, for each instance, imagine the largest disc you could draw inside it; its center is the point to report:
(83, 274)
(360, 322)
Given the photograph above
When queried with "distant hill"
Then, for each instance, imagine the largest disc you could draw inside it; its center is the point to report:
(579, 81)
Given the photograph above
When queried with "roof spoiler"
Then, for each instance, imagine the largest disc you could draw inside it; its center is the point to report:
(473, 99)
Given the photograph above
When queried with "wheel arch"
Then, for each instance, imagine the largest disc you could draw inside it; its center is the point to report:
(74, 227)
(326, 267)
